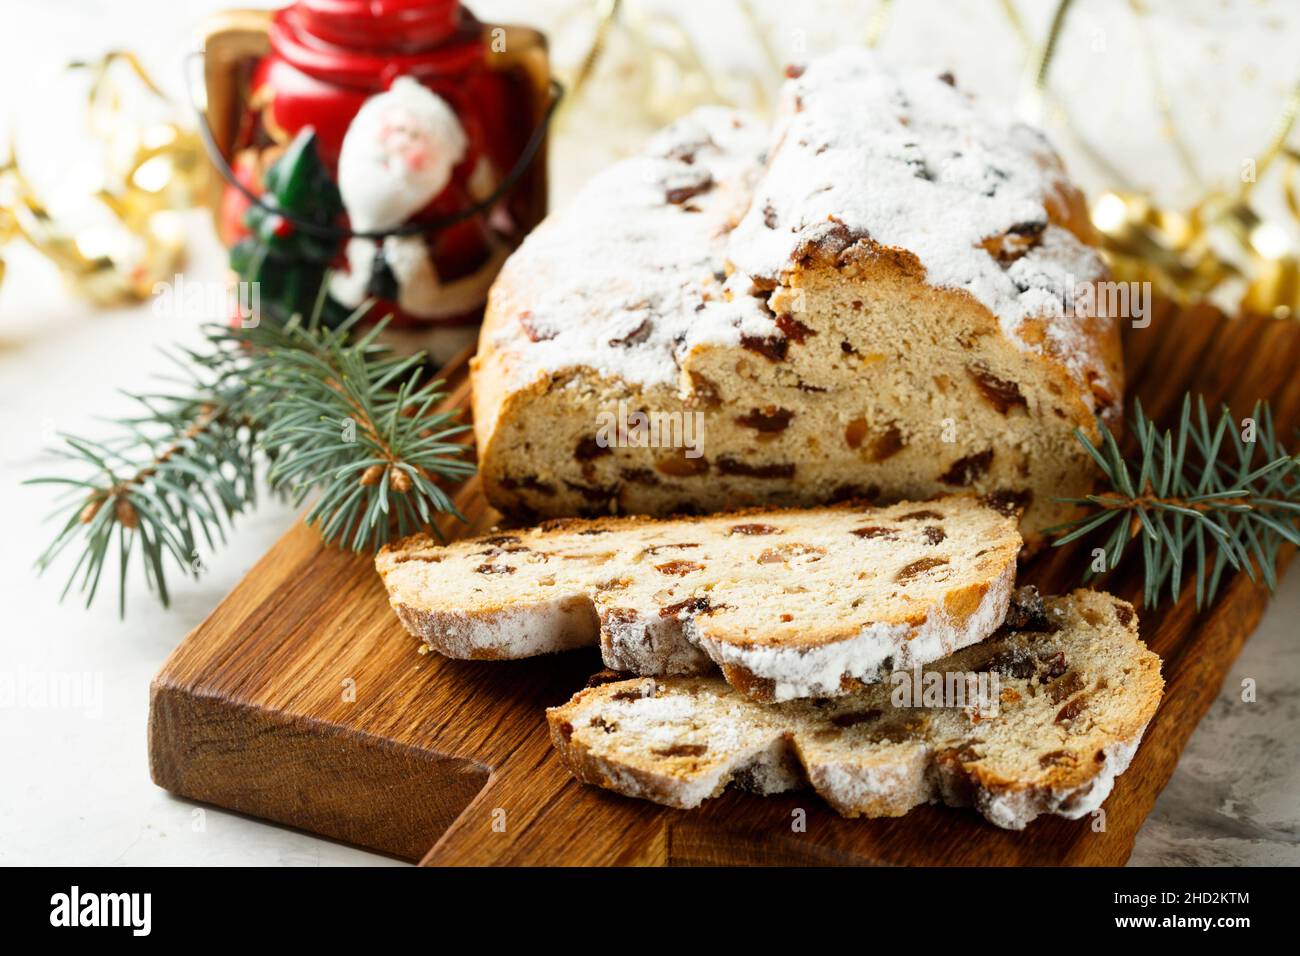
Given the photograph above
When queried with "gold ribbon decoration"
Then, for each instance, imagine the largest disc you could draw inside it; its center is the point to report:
(128, 237)
(1220, 247)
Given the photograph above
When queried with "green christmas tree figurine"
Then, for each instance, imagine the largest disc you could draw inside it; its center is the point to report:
(289, 263)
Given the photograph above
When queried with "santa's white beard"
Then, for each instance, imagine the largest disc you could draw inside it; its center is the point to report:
(382, 196)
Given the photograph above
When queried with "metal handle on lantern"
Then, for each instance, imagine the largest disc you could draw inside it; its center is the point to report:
(508, 182)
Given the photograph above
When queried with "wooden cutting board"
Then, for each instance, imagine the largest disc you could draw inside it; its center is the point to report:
(302, 700)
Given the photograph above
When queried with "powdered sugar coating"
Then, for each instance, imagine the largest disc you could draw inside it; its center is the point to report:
(543, 627)
(879, 647)
(1016, 809)
(910, 162)
(1078, 689)
(632, 274)
(681, 245)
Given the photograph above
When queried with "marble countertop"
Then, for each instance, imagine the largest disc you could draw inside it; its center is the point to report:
(76, 787)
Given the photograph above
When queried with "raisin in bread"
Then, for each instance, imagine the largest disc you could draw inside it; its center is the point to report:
(1077, 689)
(882, 296)
(788, 603)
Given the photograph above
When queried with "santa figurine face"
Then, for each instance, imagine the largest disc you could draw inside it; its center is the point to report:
(397, 155)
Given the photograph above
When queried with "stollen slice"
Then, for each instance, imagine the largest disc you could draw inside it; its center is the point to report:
(788, 603)
(1075, 689)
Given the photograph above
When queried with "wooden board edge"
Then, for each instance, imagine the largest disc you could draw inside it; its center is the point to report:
(367, 791)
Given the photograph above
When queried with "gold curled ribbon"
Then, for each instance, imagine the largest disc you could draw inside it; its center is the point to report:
(1180, 252)
(152, 168)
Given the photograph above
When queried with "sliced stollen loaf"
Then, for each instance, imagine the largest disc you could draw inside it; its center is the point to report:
(789, 603)
(887, 295)
(1077, 689)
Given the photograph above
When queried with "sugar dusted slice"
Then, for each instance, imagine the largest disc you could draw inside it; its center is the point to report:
(788, 603)
(1077, 689)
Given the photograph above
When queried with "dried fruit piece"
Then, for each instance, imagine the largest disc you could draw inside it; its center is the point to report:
(634, 336)
(704, 392)
(787, 552)
(656, 548)
(536, 331)
(691, 606)
(1072, 710)
(679, 466)
(919, 566)
(1056, 758)
(875, 531)
(1011, 663)
(793, 329)
(1065, 687)
(605, 676)
(886, 445)
(734, 466)
(1027, 612)
(854, 432)
(966, 471)
(639, 476)
(679, 194)
(1008, 501)
(1053, 667)
(752, 529)
(683, 750)
(769, 421)
(1009, 246)
(588, 448)
(855, 493)
(854, 718)
(771, 347)
(679, 568)
(999, 393)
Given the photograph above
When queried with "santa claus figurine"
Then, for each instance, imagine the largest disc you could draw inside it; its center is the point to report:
(397, 157)
(424, 118)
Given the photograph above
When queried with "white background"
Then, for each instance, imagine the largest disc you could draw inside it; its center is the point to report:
(75, 787)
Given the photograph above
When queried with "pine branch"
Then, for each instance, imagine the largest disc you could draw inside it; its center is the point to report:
(355, 422)
(319, 412)
(1207, 495)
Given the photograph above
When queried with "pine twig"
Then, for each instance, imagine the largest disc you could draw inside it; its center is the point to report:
(318, 411)
(1206, 494)
(356, 423)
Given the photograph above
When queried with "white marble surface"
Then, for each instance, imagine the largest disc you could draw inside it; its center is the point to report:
(75, 787)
